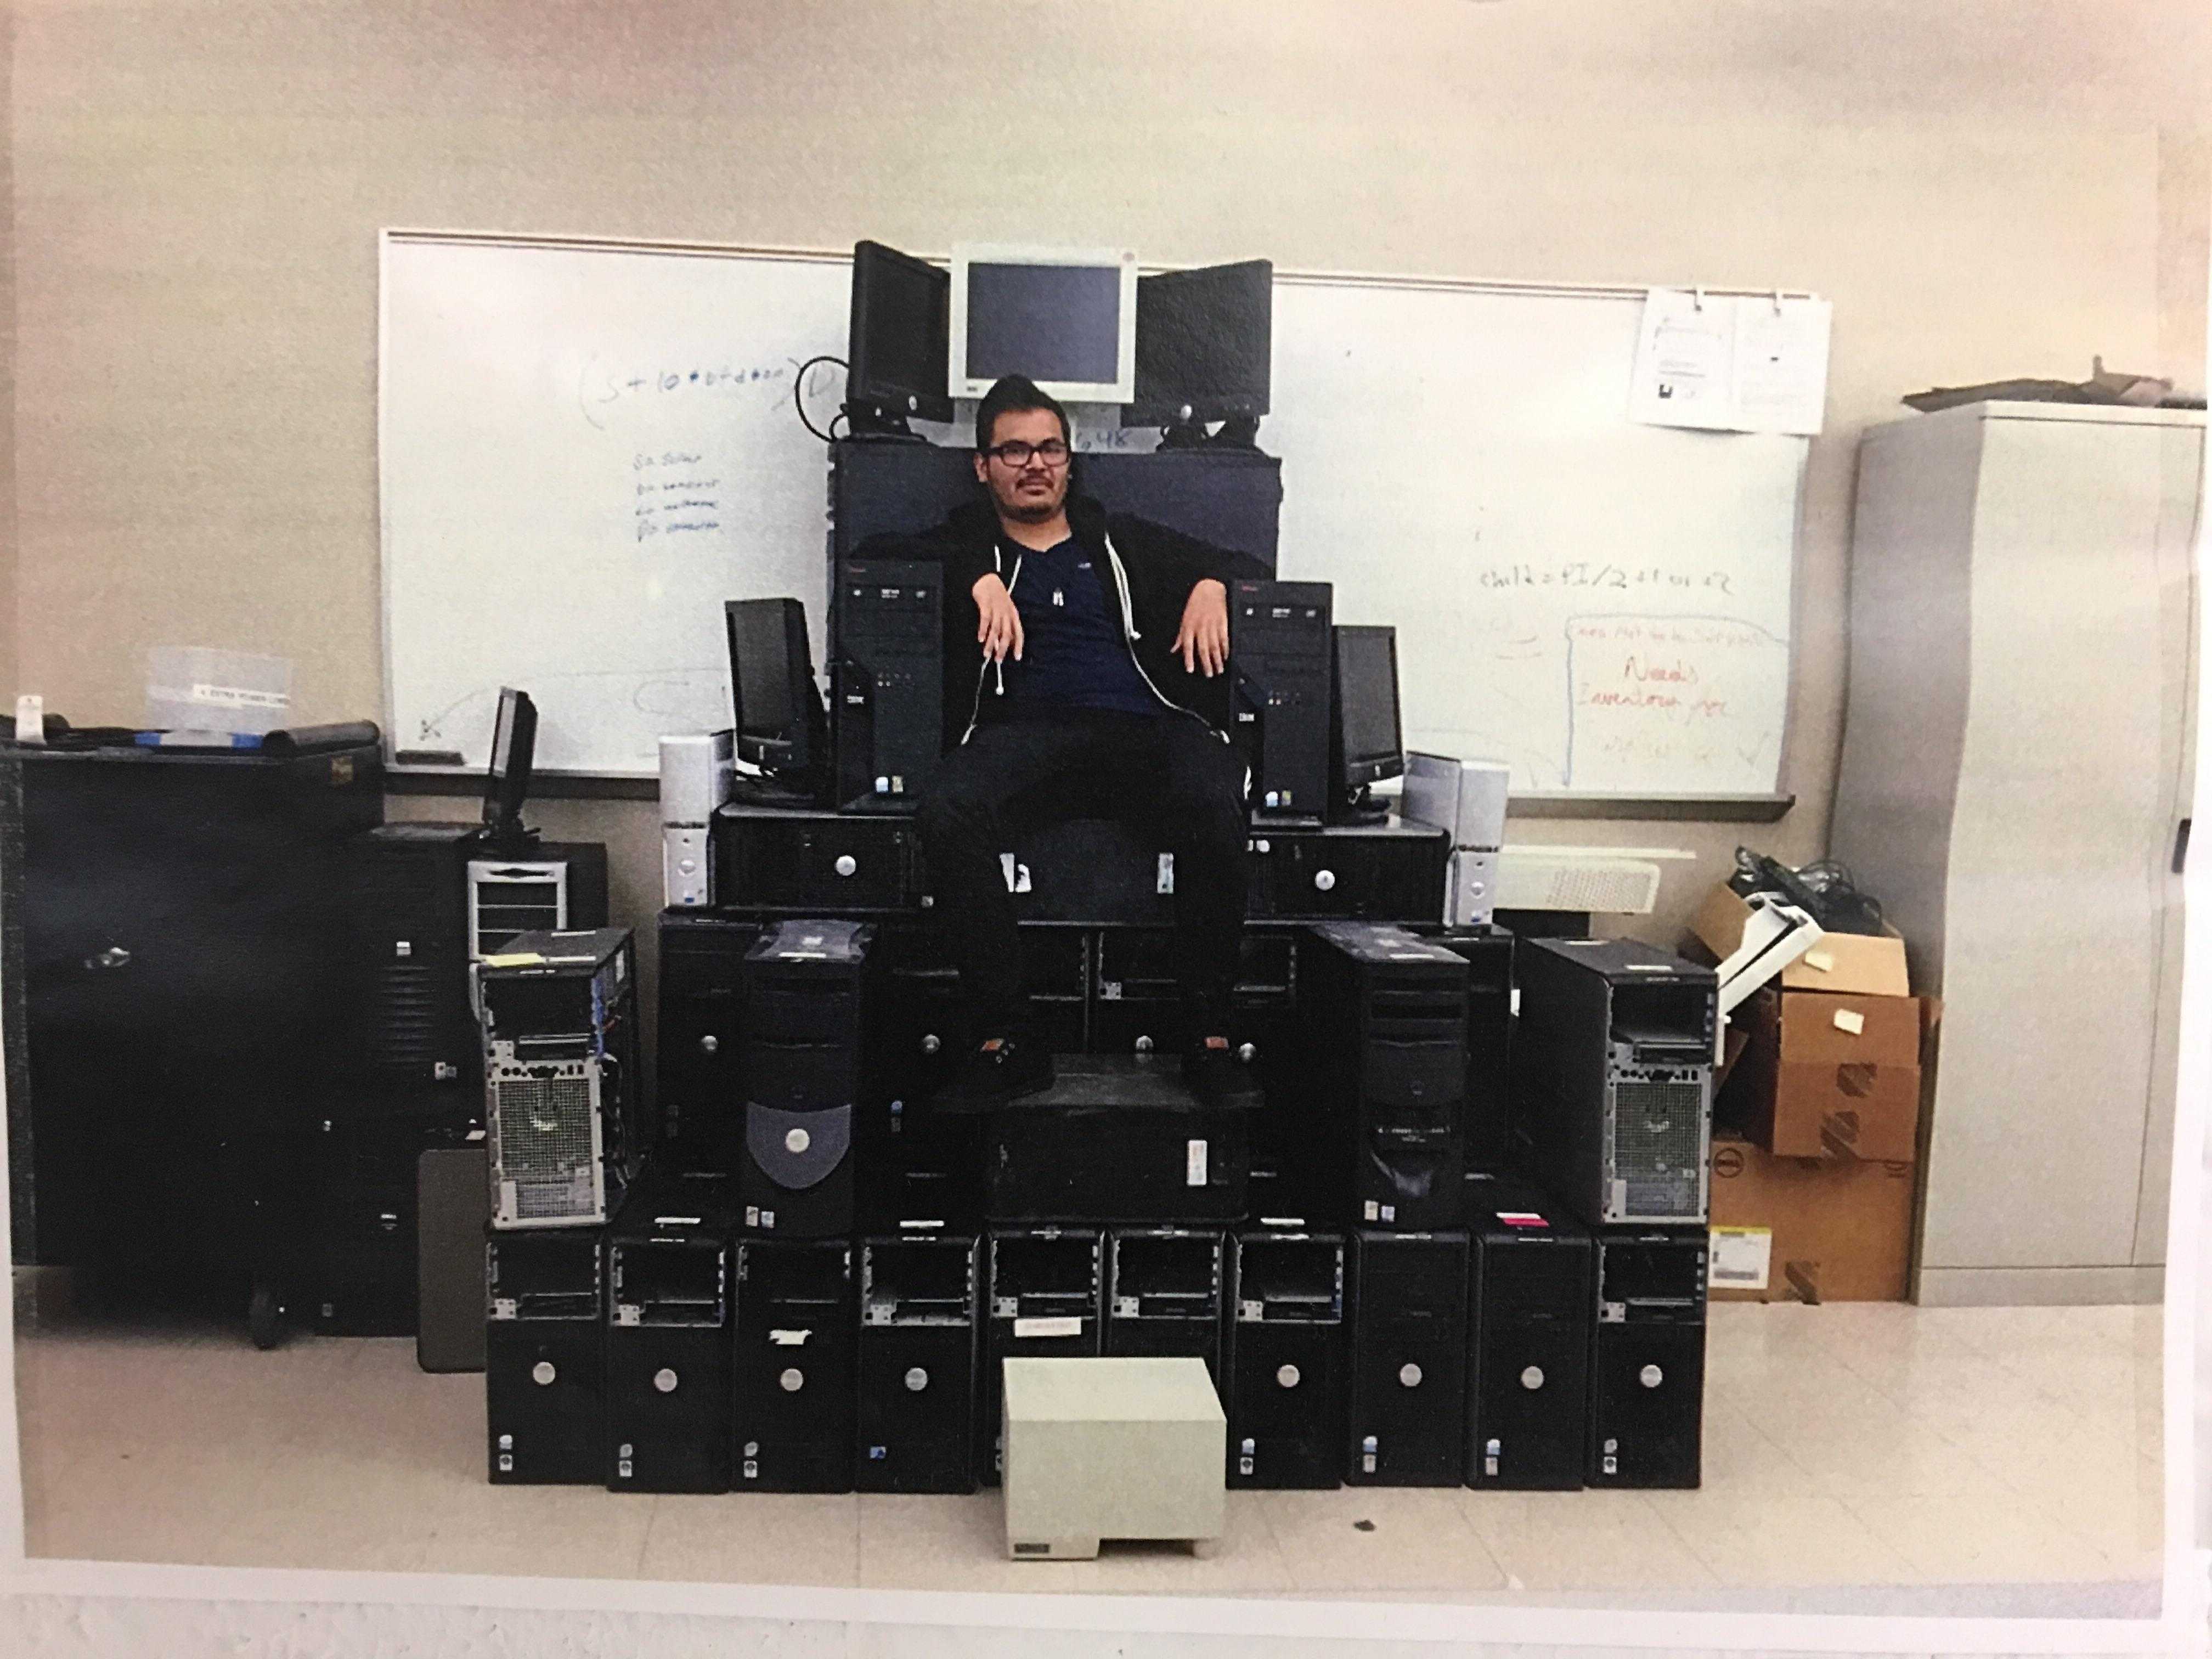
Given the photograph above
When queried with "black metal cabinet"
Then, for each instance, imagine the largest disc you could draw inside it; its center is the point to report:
(176, 947)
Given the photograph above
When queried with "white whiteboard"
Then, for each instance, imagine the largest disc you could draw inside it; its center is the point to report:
(585, 450)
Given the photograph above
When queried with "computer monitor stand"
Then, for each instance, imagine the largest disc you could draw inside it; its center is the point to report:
(1360, 808)
(764, 789)
(874, 424)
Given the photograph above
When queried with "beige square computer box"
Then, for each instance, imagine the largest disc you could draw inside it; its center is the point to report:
(1111, 1448)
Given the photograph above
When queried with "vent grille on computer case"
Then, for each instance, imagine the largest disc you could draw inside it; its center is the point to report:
(1659, 1148)
(543, 1144)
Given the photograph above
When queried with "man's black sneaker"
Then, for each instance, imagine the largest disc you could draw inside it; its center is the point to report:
(998, 1070)
(1212, 1071)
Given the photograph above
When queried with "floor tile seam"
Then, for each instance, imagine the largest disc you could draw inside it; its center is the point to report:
(2051, 1524)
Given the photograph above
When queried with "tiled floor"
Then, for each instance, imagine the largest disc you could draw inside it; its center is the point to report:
(1850, 1445)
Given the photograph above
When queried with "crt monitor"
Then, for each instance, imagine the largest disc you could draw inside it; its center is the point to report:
(514, 751)
(1203, 339)
(778, 710)
(1366, 738)
(1066, 319)
(894, 348)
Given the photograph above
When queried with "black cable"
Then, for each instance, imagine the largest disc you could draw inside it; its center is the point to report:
(798, 386)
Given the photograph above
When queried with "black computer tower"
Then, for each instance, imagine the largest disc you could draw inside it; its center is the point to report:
(795, 1378)
(568, 1122)
(921, 1299)
(887, 682)
(1612, 1066)
(700, 1049)
(363, 1207)
(1407, 1388)
(407, 890)
(1116, 1138)
(1166, 1291)
(668, 1344)
(1283, 1389)
(1385, 1018)
(1647, 1368)
(805, 993)
(1045, 1285)
(1280, 657)
(915, 1162)
(1530, 1300)
(1486, 1120)
(545, 1356)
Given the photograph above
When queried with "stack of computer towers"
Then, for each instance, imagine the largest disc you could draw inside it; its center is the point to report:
(545, 1356)
(1613, 1108)
(669, 1347)
(1532, 1303)
(917, 1365)
(796, 1376)
(805, 985)
(1283, 1387)
(1045, 1286)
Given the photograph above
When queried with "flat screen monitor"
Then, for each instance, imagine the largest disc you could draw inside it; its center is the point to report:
(514, 752)
(1203, 340)
(1366, 707)
(777, 707)
(1066, 319)
(895, 349)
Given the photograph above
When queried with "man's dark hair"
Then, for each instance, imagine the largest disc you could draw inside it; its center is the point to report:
(1012, 394)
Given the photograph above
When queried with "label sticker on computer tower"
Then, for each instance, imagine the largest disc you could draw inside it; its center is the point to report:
(1194, 1172)
(1068, 1325)
(1522, 1218)
(1742, 1257)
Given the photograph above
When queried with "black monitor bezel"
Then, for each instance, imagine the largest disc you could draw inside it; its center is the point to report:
(865, 385)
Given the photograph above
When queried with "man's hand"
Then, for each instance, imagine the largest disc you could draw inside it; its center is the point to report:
(1203, 639)
(1000, 629)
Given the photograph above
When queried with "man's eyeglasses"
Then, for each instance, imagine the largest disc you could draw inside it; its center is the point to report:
(1051, 452)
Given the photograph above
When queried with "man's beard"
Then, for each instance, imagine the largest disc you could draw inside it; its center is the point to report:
(1021, 512)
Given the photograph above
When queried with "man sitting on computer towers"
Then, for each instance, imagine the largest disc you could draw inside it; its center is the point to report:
(1098, 691)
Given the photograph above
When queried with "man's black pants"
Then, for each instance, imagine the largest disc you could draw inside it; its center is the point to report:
(1170, 774)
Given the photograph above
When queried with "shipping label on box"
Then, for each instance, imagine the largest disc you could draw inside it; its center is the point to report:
(1835, 1231)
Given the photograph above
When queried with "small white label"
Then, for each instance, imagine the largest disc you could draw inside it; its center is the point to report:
(1741, 1257)
(1193, 1167)
(1374, 1211)
(30, 719)
(1067, 1326)
(788, 1338)
(1819, 961)
(1164, 878)
(1850, 1020)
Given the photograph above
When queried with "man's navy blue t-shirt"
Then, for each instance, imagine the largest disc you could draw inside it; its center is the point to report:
(1073, 655)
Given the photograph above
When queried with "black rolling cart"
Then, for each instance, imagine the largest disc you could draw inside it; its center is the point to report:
(173, 945)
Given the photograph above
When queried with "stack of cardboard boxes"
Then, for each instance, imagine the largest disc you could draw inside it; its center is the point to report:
(1817, 1131)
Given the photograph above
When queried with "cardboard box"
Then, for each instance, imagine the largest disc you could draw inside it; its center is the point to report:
(1861, 965)
(1827, 1076)
(1809, 1230)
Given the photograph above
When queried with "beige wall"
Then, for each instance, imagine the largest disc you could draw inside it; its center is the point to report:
(1985, 188)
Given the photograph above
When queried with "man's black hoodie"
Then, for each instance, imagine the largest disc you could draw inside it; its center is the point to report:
(1158, 565)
